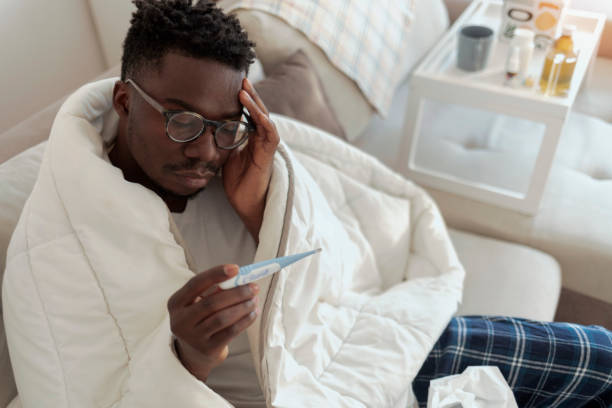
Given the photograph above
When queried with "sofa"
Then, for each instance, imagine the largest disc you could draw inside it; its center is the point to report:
(500, 251)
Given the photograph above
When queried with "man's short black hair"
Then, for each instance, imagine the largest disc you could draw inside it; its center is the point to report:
(199, 30)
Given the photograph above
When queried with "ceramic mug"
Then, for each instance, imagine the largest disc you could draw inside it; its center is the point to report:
(474, 46)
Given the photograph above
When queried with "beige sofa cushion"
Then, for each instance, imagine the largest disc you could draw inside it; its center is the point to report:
(28, 133)
(48, 48)
(36, 128)
(293, 89)
(111, 20)
(574, 223)
(495, 276)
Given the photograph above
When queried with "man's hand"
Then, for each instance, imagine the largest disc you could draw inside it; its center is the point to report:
(204, 324)
(247, 172)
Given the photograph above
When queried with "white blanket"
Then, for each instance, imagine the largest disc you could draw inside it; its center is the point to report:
(94, 259)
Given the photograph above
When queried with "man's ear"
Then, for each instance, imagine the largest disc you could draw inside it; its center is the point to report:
(121, 99)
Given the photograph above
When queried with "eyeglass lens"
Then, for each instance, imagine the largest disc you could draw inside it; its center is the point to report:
(185, 126)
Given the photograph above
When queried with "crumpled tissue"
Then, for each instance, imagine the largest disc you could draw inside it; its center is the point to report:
(476, 387)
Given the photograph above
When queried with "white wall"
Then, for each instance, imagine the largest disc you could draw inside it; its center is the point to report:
(47, 49)
(112, 19)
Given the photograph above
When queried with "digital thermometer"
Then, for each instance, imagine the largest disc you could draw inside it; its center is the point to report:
(253, 272)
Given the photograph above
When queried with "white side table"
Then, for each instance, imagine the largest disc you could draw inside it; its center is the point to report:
(448, 103)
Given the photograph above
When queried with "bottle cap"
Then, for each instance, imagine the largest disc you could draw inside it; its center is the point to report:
(568, 30)
(523, 36)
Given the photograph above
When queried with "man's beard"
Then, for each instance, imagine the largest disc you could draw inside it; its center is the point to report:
(167, 193)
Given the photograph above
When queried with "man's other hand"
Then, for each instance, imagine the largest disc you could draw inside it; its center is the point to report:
(247, 172)
(205, 319)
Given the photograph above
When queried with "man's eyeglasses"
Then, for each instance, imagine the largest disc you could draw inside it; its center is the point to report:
(185, 126)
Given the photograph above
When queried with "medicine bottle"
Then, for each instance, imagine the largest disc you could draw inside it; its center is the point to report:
(560, 65)
(523, 40)
(513, 67)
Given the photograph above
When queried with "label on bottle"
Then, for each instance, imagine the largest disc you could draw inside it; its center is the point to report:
(541, 16)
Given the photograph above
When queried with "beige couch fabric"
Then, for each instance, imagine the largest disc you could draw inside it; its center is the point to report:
(574, 223)
(36, 128)
(293, 89)
(48, 48)
(506, 279)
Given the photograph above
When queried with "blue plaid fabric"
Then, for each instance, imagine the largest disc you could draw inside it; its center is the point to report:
(545, 364)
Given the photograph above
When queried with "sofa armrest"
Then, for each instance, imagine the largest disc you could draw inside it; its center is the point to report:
(29, 132)
(36, 128)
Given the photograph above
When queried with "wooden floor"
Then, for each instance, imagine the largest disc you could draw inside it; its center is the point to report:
(577, 308)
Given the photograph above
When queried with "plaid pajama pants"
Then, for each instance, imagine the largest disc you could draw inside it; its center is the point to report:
(545, 364)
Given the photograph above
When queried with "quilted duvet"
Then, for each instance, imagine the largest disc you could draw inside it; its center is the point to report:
(94, 259)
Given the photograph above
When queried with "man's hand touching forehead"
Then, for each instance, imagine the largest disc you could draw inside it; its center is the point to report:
(247, 172)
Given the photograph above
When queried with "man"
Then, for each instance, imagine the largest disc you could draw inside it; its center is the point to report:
(178, 153)
(149, 181)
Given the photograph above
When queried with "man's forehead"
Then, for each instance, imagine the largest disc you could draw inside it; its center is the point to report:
(203, 85)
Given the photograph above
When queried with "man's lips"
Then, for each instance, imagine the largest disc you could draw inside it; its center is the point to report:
(194, 179)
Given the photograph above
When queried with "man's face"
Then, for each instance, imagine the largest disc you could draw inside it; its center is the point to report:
(203, 86)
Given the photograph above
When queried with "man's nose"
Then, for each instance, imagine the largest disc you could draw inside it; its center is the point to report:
(203, 148)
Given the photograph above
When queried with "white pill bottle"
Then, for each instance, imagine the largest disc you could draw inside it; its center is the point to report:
(524, 40)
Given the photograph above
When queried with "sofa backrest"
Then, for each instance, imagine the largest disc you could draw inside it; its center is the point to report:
(48, 48)
(112, 19)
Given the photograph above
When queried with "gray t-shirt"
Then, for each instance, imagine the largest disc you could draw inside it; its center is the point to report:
(215, 234)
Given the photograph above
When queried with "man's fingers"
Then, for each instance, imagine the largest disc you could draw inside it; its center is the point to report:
(218, 301)
(225, 318)
(224, 336)
(248, 86)
(199, 284)
(266, 131)
(260, 118)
